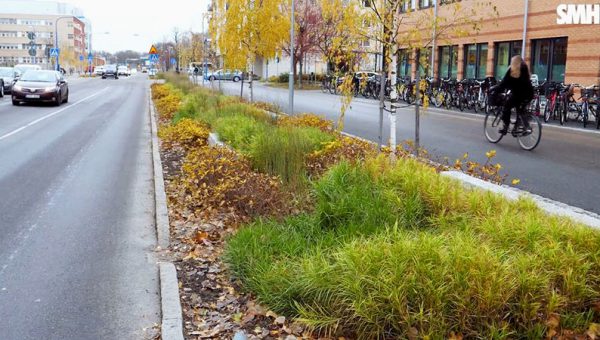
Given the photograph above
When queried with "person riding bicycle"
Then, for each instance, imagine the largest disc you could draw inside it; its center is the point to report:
(517, 80)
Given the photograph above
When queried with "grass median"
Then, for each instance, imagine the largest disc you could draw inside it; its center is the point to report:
(392, 250)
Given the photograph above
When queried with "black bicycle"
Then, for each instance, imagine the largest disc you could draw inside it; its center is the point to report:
(528, 138)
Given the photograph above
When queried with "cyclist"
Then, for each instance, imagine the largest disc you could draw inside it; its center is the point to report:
(517, 80)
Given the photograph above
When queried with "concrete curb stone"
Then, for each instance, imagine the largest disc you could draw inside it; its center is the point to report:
(172, 319)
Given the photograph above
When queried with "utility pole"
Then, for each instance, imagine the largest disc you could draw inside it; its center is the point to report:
(291, 76)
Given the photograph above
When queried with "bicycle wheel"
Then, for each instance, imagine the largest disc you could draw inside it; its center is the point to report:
(585, 113)
(562, 114)
(530, 141)
(491, 126)
(438, 98)
(547, 112)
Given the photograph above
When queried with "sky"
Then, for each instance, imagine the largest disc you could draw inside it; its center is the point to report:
(135, 24)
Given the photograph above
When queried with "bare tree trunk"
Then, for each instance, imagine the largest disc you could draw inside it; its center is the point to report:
(381, 107)
(251, 84)
(242, 87)
(417, 107)
(300, 74)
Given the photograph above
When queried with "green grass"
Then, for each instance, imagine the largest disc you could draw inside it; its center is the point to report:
(239, 131)
(416, 250)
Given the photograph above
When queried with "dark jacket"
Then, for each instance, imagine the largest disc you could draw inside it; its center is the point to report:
(521, 88)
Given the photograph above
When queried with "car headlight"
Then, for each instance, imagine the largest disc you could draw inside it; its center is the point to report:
(17, 88)
(49, 89)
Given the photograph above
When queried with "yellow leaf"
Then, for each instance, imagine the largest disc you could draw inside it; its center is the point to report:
(516, 181)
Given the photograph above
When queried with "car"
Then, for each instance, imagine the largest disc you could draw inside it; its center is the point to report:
(40, 86)
(123, 71)
(144, 69)
(224, 75)
(110, 71)
(99, 70)
(21, 68)
(152, 73)
(8, 76)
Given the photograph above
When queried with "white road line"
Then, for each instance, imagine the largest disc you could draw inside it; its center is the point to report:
(13, 132)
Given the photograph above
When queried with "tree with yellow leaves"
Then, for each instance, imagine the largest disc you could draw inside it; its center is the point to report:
(247, 29)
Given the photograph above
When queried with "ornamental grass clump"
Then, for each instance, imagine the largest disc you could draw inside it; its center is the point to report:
(218, 180)
(186, 133)
(239, 131)
(281, 151)
(398, 251)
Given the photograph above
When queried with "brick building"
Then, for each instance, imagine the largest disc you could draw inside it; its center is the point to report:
(568, 53)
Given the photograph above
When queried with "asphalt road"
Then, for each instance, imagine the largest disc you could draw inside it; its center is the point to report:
(76, 215)
(564, 167)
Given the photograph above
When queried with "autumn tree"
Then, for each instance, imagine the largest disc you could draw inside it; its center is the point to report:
(247, 29)
(307, 28)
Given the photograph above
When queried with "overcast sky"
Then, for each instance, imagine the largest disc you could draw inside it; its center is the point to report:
(151, 20)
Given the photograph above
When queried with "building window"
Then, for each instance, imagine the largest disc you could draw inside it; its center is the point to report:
(70, 36)
(504, 52)
(424, 3)
(448, 65)
(549, 58)
(404, 63)
(475, 64)
(424, 61)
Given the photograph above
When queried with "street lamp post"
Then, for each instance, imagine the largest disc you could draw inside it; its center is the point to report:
(56, 38)
(291, 76)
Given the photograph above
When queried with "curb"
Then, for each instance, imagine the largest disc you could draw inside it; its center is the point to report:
(549, 206)
(172, 320)
(162, 214)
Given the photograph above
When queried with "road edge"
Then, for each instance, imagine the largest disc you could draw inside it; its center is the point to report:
(172, 319)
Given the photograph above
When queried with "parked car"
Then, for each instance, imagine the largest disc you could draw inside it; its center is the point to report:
(110, 71)
(40, 86)
(224, 75)
(7, 77)
(99, 70)
(123, 71)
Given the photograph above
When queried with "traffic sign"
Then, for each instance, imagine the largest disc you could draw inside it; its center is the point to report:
(90, 59)
(153, 58)
(32, 52)
(54, 52)
(173, 61)
(81, 57)
(31, 35)
(153, 50)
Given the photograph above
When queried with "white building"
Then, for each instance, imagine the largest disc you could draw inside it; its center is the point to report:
(18, 17)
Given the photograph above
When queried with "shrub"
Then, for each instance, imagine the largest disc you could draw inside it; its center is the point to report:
(218, 180)
(307, 120)
(271, 107)
(283, 78)
(159, 90)
(186, 133)
(342, 148)
(282, 152)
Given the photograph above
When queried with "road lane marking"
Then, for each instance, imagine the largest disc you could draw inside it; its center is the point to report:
(30, 124)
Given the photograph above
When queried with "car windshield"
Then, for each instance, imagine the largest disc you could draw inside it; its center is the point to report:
(40, 76)
(6, 72)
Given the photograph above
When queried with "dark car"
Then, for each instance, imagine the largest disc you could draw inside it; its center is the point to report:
(40, 86)
(8, 76)
(110, 71)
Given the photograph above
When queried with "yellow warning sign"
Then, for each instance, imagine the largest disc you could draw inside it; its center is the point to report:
(153, 50)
